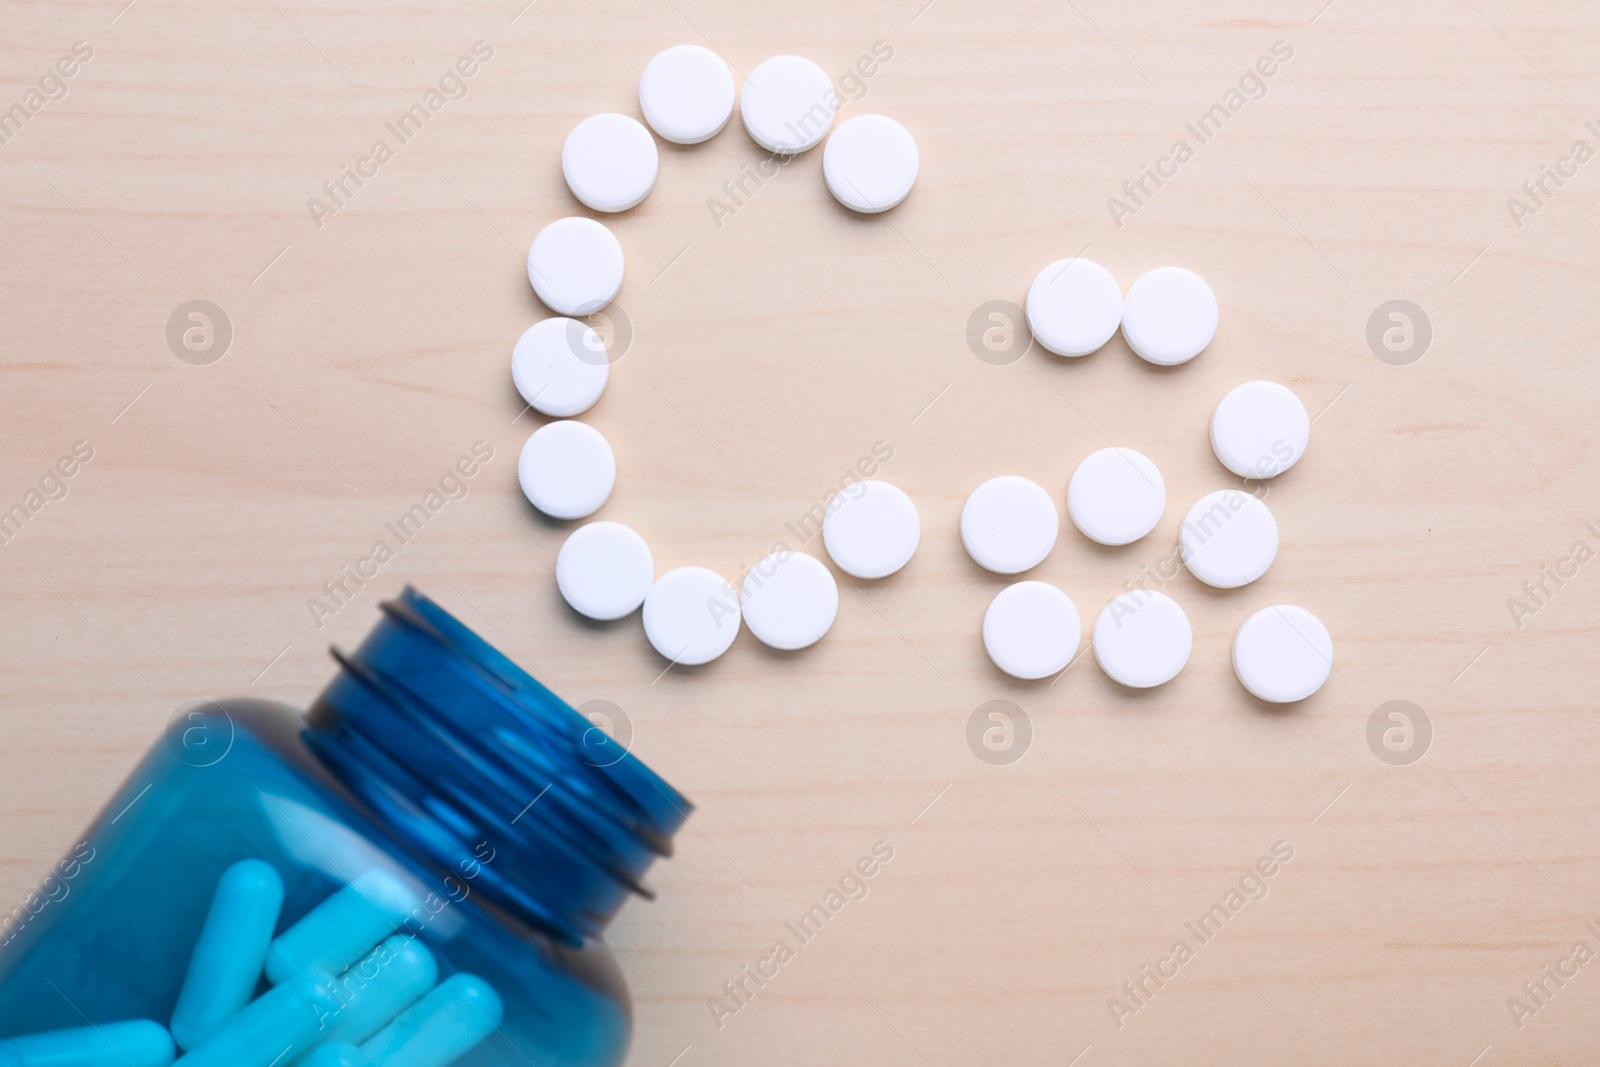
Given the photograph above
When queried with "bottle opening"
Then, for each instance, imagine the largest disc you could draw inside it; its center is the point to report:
(483, 769)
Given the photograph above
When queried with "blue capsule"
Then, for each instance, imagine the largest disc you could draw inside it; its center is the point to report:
(227, 960)
(380, 986)
(140, 1043)
(441, 1027)
(276, 1027)
(337, 1054)
(343, 928)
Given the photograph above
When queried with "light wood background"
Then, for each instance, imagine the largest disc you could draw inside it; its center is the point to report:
(768, 355)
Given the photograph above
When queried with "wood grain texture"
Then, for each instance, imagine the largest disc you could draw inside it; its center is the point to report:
(769, 354)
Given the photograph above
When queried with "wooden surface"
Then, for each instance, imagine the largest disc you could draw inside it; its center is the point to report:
(772, 352)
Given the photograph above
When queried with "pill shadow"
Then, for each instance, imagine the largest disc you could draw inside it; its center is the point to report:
(1107, 691)
(861, 219)
(673, 148)
(1038, 686)
(865, 585)
(1062, 364)
(667, 669)
(561, 526)
(1120, 349)
(1239, 603)
(1117, 554)
(1252, 485)
(1286, 480)
(1266, 709)
(530, 418)
(999, 581)
(598, 626)
(771, 655)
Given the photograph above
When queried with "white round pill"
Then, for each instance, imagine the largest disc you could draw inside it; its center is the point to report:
(1282, 654)
(610, 162)
(604, 570)
(1169, 315)
(691, 615)
(575, 265)
(1116, 496)
(1009, 524)
(567, 470)
(787, 104)
(789, 600)
(1142, 639)
(871, 529)
(686, 94)
(870, 163)
(1260, 429)
(1228, 539)
(1031, 630)
(555, 368)
(1074, 306)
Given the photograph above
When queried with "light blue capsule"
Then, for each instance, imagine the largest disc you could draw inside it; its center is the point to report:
(381, 985)
(140, 1043)
(227, 959)
(338, 1054)
(279, 1025)
(343, 928)
(441, 1027)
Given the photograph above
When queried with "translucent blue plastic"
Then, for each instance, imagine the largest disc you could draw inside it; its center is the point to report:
(417, 871)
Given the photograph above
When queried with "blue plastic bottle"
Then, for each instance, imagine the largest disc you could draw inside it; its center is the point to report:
(416, 871)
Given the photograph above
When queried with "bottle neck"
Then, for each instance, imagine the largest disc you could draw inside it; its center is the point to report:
(479, 767)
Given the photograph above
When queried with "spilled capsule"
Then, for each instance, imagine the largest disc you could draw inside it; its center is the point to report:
(441, 1027)
(140, 1043)
(343, 928)
(227, 959)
